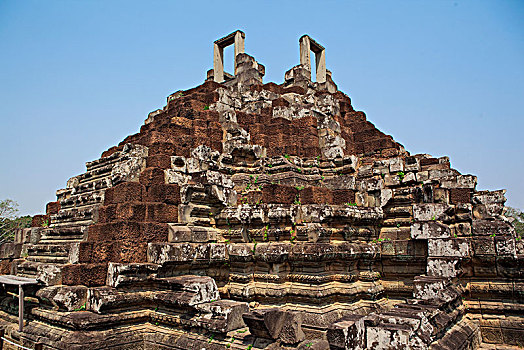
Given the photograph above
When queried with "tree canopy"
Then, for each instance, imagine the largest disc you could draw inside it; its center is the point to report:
(10, 221)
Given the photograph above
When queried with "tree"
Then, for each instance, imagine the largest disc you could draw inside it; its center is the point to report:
(517, 217)
(8, 209)
(10, 221)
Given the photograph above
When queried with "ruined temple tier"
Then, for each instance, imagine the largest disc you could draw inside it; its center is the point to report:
(251, 215)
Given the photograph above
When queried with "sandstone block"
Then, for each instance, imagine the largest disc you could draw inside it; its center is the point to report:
(152, 176)
(64, 298)
(429, 211)
(347, 333)
(89, 275)
(461, 181)
(162, 161)
(388, 336)
(426, 230)
(505, 246)
(315, 195)
(434, 288)
(52, 208)
(491, 228)
(119, 274)
(10, 250)
(274, 193)
(124, 192)
(275, 324)
(443, 267)
(448, 247)
(483, 246)
(459, 195)
(222, 315)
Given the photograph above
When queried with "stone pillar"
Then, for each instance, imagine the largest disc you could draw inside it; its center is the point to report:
(237, 38)
(239, 46)
(320, 59)
(218, 63)
(305, 51)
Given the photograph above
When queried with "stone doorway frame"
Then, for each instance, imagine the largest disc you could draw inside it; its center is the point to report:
(237, 38)
(307, 44)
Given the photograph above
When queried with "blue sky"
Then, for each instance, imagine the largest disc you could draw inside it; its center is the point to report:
(442, 77)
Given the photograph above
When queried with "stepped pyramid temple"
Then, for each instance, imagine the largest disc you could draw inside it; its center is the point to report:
(251, 215)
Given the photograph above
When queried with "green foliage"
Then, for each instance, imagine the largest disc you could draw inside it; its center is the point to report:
(8, 209)
(401, 175)
(81, 308)
(206, 107)
(10, 221)
(517, 216)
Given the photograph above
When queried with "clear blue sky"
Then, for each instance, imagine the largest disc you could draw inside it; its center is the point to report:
(76, 77)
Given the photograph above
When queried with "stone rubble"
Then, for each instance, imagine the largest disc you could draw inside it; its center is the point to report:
(246, 215)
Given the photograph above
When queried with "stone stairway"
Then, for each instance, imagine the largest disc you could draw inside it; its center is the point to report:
(201, 205)
(79, 203)
(48, 253)
(64, 234)
(434, 322)
(398, 213)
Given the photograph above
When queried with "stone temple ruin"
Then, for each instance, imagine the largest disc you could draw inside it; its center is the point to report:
(246, 215)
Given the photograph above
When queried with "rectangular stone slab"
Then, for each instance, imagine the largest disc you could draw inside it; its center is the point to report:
(17, 280)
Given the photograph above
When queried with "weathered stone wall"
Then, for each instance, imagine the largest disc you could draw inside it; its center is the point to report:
(247, 215)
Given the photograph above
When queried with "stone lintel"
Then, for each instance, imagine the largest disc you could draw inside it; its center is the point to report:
(229, 39)
(314, 46)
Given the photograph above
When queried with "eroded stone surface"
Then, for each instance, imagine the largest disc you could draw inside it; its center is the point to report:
(250, 215)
